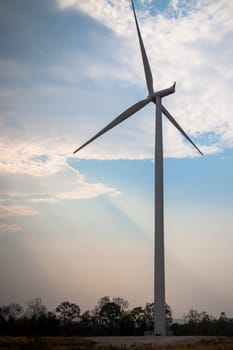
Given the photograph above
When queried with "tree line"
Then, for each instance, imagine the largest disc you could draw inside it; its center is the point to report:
(110, 316)
(200, 323)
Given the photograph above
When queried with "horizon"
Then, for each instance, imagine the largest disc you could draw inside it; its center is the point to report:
(180, 320)
(78, 227)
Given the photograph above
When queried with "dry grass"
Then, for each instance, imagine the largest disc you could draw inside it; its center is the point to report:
(219, 344)
(45, 343)
(77, 343)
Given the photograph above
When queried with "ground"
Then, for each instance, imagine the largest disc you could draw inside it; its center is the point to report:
(150, 339)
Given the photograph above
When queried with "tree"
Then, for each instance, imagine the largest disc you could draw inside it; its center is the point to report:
(110, 315)
(9, 316)
(192, 317)
(168, 313)
(13, 311)
(198, 323)
(126, 324)
(86, 324)
(100, 303)
(205, 317)
(123, 303)
(69, 315)
(222, 316)
(222, 324)
(10, 312)
(68, 312)
(86, 318)
(35, 309)
(139, 320)
(34, 319)
(149, 315)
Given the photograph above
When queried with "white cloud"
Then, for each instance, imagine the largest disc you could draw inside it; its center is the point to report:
(10, 228)
(33, 157)
(192, 47)
(68, 184)
(115, 14)
(43, 177)
(45, 199)
(83, 190)
(12, 210)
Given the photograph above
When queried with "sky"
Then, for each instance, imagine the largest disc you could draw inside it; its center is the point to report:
(79, 227)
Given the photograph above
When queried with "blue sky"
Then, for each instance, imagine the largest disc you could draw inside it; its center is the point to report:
(80, 227)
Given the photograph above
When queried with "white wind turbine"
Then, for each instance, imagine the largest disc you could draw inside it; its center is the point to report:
(156, 98)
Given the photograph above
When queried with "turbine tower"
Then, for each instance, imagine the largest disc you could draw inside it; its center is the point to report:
(156, 98)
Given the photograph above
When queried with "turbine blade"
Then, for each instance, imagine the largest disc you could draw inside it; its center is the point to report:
(147, 70)
(174, 122)
(126, 114)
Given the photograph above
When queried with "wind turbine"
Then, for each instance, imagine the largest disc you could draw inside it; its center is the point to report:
(156, 98)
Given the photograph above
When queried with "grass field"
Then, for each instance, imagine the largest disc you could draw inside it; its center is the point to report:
(45, 343)
(77, 343)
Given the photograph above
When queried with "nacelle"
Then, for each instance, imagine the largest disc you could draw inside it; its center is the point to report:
(164, 92)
